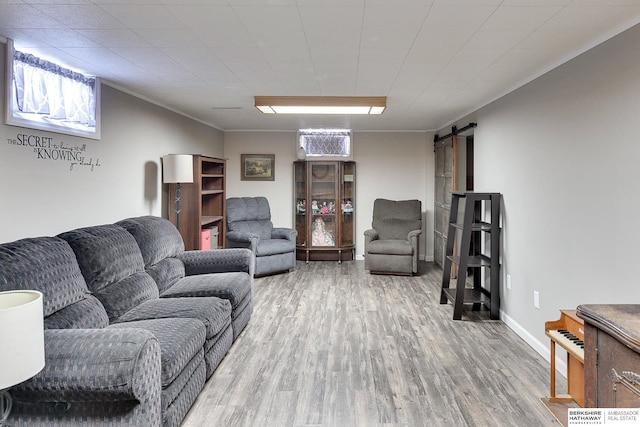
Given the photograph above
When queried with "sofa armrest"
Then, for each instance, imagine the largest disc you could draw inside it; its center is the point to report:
(370, 234)
(414, 234)
(242, 239)
(96, 365)
(242, 236)
(284, 233)
(218, 261)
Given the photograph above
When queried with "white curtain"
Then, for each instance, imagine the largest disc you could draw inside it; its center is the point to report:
(54, 92)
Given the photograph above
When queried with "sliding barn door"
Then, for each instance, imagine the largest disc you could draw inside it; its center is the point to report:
(445, 182)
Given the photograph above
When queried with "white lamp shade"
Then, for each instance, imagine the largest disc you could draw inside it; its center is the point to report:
(21, 336)
(177, 168)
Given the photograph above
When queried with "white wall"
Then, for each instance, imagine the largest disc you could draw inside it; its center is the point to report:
(280, 191)
(44, 197)
(564, 152)
(394, 165)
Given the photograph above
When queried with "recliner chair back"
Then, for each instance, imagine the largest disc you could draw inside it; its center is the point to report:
(249, 214)
(395, 219)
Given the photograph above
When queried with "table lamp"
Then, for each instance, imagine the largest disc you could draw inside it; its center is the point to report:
(22, 342)
(177, 169)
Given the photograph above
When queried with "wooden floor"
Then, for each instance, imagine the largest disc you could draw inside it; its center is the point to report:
(331, 345)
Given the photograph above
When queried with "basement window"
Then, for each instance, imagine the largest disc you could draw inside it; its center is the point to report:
(43, 95)
(326, 143)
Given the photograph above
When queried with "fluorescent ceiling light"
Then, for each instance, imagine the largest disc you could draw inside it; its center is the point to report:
(321, 104)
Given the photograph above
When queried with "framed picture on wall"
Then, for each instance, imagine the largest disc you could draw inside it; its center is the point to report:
(257, 167)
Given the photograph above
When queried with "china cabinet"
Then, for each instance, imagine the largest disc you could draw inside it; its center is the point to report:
(324, 210)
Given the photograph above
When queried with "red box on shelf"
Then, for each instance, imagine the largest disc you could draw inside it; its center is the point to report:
(205, 239)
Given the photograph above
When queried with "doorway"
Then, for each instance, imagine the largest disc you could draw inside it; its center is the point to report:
(454, 171)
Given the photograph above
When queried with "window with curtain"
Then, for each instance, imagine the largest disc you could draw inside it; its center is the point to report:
(47, 96)
(330, 143)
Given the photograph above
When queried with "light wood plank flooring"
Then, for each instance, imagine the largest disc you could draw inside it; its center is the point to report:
(331, 345)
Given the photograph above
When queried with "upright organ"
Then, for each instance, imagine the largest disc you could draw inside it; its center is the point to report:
(568, 332)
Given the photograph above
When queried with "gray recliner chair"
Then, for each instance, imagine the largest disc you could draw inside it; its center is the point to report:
(391, 246)
(249, 226)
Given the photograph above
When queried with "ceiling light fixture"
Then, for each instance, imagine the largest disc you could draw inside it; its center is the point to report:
(321, 104)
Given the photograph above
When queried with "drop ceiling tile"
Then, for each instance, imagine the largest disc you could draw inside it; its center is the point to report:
(291, 53)
(586, 19)
(271, 24)
(606, 3)
(104, 60)
(384, 57)
(325, 55)
(437, 45)
(546, 38)
(373, 80)
(115, 39)
(154, 59)
(22, 16)
(143, 16)
(334, 28)
(60, 37)
(48, 1)
(481, 55)
(449, 17)
(388, 27)
(467, 3)
(249, 56)
(213, 25)
(170, 38)
(80, 16)
(532, 59)
(496, 39)
(535, 3)
(520, 18)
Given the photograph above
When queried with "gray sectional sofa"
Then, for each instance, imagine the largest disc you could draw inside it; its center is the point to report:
(134, 325)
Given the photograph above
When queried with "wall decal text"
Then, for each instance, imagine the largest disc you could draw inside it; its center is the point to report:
(46, 148)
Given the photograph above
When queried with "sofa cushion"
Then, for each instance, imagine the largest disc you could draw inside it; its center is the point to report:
(232, 286)
(275, 246)
(390, 247)
(157, 238)
(124, 295)
(112, 266)
(88, 313)
(160, 243)
(214, 313)
(49, 265)
(180, 341)
(166, 272)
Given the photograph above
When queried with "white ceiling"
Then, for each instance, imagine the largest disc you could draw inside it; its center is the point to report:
(435, 60)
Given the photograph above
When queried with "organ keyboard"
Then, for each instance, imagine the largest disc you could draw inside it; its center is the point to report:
(568, 332)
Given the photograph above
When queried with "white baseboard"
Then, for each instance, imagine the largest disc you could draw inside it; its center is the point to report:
(561, 365)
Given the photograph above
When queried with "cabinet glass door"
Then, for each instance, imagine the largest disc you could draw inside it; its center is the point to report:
(323, 204)
(347, 199)
(300, 191)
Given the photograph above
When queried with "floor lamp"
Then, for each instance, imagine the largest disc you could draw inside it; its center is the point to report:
(177, 169)
(22, 340)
